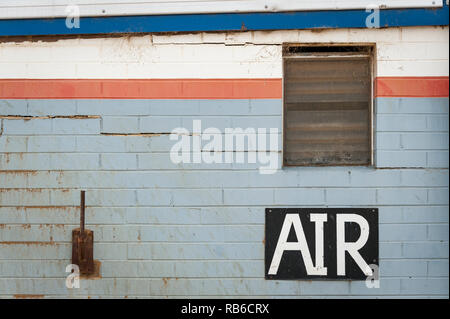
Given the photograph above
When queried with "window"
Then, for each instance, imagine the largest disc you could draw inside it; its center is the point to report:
(327, 105)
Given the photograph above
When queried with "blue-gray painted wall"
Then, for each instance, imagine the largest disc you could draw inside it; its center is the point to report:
(196, 230)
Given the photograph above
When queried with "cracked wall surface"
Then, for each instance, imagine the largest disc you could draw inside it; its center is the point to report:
(195, 230)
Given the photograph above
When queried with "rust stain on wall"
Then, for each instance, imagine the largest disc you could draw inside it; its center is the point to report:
(96, 274)
(29, 243)
(25, 296)
(51, 225)
(20, 171)
(44, 207)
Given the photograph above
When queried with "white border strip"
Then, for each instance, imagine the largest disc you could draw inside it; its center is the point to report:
(25, 9)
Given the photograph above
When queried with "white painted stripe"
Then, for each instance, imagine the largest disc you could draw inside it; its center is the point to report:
(413, 51)
(413, 68)
(13, 9)
(217, 55)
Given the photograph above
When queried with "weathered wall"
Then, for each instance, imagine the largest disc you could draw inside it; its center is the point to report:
(165, 230)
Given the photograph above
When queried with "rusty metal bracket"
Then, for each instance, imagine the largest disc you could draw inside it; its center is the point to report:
(83, 244)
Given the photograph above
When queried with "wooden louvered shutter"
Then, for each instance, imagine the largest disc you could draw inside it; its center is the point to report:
(327, 109)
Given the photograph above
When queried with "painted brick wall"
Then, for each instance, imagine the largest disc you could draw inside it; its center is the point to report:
(188, 230)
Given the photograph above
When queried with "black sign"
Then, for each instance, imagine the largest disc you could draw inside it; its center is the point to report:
(321, 243)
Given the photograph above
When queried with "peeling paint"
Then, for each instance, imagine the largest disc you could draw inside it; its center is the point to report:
(145, 134)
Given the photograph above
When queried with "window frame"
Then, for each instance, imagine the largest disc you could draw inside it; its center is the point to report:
(371, 48)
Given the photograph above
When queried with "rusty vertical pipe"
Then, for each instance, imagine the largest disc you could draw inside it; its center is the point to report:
(83, 243)
(82, 213)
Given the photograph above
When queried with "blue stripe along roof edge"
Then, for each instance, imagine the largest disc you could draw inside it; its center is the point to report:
(225, 22)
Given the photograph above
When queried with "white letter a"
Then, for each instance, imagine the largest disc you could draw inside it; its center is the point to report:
(301, 245)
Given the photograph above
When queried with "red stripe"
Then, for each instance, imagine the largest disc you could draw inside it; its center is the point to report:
(411, 86)
(142, 89)
(198, 88)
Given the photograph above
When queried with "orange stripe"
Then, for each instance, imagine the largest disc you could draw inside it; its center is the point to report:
(198, 88)
(142, 89)
(411, 86)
